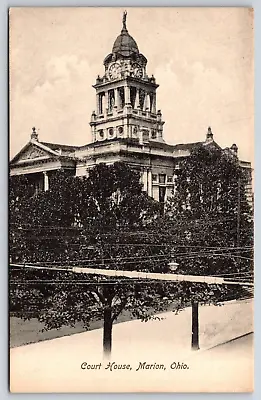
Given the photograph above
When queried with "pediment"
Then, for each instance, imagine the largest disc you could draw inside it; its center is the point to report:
(32, 152)
(212, 145)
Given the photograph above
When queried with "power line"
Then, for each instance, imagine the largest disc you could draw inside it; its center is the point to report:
(146, 275)
(92, 263)
(168, 244)
(218, 255)
(78, 228)
(108, 259)
(98, 265)
(144, 258)
(235, 273)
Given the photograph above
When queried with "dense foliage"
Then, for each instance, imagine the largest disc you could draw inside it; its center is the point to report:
(105, 220)
(209, 215)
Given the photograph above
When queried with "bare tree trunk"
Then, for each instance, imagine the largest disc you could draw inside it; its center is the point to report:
(107, 331)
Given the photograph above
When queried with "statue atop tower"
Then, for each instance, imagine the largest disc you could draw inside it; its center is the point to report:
(124, 20)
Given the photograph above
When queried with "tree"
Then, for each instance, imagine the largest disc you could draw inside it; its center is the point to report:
(210, 216)
(30, 211)
(115, 199)
(20, 194)
(118, 227)
(80, 210)
(107, 205)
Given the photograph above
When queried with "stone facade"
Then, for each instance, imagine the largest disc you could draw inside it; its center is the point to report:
(126, 126)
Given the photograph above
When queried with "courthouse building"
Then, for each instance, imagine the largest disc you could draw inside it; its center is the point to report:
(126, 126)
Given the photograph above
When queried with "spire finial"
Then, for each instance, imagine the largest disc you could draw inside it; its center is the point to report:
(209, 134)
(124, 19)
(34, 134)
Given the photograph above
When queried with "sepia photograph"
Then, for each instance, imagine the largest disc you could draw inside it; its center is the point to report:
(131, 200)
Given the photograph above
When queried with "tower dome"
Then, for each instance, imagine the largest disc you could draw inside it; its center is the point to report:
(125, 44)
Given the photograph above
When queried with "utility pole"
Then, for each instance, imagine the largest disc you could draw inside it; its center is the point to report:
(195, 327)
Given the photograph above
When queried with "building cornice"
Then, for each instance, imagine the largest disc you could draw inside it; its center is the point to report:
(137, 82)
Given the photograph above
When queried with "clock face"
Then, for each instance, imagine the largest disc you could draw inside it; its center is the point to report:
(114, 71)
(137, 71)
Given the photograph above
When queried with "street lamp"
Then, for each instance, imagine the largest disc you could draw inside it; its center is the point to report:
(173, 265)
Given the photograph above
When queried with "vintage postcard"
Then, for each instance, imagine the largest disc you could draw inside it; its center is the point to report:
(131, 200)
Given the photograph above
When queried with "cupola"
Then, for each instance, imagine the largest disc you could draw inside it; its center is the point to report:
(125, 45)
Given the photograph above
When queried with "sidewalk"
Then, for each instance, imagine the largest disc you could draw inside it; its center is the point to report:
(55, 365)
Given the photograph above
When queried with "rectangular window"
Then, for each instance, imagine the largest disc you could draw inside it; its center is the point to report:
(133, 91)
(162, 178)
(142, 99)
(101, 95)
(162, 194)
(170, 179)
(151, 102)
(153, 134)
(121, 97)
(154, 178)
(111, 100)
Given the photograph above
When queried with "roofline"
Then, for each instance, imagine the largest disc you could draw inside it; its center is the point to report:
(69, 147)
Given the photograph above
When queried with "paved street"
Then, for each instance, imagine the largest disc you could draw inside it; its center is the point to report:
(55, 365)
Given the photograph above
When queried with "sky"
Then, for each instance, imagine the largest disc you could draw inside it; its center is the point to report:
(202, 58)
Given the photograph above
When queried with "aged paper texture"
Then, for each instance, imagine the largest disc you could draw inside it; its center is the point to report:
(131, 199)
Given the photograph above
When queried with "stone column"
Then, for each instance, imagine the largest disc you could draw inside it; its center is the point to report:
(105, 105)
(174, 182)
(93, 134)
(46, 181)
(153, 106)
(137, 100)
(141, 136)
(117, 99)
(148, 102)
(97, 104)
(93, 119)
(159, 125)
(147, 105)
(145, 102)
(127, 95)
(145, 180)
(149, 188)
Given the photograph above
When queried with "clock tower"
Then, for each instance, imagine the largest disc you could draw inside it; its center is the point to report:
(126, 95)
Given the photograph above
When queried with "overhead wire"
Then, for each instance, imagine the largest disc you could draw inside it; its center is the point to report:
(147, 276)
(144, 258)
